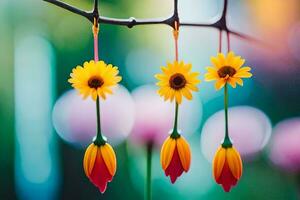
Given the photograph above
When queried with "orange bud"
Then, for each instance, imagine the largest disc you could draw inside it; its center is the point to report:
(227, 167)
(175, 157)
(100, 165)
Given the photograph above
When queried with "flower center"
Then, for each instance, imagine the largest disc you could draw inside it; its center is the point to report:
(177, 81)
(226, 70)
(95, 82)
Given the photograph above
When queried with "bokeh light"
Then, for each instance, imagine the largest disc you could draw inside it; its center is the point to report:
(285, 148)
(154, 117)
(75, 119)
(37, 172)
(249, 129)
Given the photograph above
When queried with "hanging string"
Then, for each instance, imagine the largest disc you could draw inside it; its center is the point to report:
(95, 33)
(228, 42)
(220, 41)
(176, 34)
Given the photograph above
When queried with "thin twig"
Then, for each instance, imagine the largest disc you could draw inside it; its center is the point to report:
(220, 24)
(88, 15)
(131, 22)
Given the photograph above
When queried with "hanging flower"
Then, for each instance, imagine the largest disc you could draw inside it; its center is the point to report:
(175, 157)
(100, 165)
(94, 79)
(227, 70)
(177, 81)
(227, 167)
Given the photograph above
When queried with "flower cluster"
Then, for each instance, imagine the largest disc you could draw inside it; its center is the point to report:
(177, 81)
(96, 78)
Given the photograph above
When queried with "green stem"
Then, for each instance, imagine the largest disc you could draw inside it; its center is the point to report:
(227, 142)
(149, 167)
(99, 138)
(175, 133)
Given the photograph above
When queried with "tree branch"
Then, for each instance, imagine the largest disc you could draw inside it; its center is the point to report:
(198, 25)
(131, 22)
(220, 24)
(88, 15)
(248, 38)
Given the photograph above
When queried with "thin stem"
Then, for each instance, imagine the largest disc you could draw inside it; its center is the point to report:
(99, 138)
(148, 195)
(175, 133)
(227, 142)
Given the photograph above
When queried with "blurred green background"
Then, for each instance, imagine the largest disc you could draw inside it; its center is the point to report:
(41, 43)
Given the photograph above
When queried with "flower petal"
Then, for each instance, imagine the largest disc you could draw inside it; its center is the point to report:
(187, 94)
(184, 153)
(232, 82)
(167, 151)
(218, 162)
(109, 158)
(220, 83)
(89, 159)
(178, 97)
(234, 162)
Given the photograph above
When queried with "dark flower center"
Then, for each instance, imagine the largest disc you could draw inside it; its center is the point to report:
(226, 70)
(95, 82)
(177, 81)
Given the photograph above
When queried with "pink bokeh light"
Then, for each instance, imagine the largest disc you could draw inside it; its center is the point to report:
(285, 148)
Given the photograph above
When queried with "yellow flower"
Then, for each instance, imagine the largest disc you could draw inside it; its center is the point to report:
(227, 70)
(100, 165)
(94, 79)
(227, 167)
(177, 80)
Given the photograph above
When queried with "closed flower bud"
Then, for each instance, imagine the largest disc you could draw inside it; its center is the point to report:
(175, 157)
(227, 167)
(100, 165)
